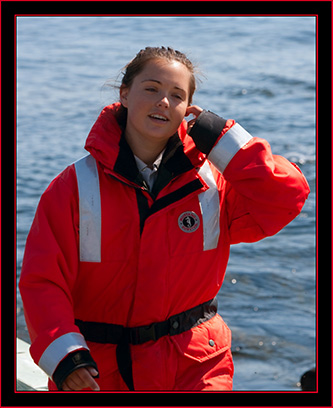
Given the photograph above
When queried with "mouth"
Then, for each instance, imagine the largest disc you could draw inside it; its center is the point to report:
(158, 117)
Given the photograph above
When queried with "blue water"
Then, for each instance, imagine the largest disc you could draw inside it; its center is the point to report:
(259, 71)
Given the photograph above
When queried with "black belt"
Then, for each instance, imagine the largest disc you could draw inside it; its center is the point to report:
(124, 336)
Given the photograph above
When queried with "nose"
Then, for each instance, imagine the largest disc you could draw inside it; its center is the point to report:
(164, 102)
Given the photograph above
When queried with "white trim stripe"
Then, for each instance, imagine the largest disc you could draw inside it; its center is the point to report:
(228, 146)
(210, 209)
(59, 349)
(90, 209)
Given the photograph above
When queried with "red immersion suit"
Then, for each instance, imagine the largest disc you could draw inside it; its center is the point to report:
(115, 252)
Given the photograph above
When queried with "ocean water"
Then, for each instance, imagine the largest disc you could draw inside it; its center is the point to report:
(259, 71)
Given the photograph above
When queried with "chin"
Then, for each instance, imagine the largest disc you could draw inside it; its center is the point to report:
(158, 135)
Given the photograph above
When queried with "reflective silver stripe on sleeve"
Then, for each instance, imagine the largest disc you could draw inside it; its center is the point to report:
(90, 209)
(59, 349)
(228, 146)
(210, 209)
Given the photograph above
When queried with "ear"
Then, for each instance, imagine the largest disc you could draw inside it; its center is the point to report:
(123, 93)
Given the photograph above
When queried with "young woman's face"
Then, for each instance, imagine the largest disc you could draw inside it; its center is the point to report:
(157, 100)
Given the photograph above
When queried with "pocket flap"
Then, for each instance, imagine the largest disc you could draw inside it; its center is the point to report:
(205, 341)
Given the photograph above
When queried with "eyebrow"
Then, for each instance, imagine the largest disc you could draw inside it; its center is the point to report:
(159, 82)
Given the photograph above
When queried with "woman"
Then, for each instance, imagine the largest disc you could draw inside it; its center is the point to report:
(130, 244)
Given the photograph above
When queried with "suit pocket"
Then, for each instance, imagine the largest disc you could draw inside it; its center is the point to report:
(205, 341)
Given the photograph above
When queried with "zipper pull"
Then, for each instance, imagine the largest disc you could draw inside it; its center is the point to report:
(145, 185)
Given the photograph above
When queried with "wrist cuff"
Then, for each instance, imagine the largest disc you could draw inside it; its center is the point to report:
(70, 363)
(206, 130)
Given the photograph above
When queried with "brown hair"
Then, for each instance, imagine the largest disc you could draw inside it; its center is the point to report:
(137, 64)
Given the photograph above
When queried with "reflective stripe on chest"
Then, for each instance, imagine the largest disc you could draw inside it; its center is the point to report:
(90, 209)
(210, 209)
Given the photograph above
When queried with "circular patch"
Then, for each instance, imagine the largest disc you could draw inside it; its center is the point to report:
(188, 221)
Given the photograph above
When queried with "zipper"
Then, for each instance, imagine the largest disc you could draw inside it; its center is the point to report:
(167, 202)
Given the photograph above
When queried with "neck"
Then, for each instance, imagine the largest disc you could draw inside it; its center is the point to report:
(145, 150)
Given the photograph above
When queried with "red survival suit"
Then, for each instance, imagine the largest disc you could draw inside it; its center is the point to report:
(143, 256)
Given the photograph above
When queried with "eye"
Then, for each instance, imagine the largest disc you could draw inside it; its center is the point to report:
(178, 97)
(151, 89)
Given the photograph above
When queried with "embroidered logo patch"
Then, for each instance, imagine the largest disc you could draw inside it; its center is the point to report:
(188, 221)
